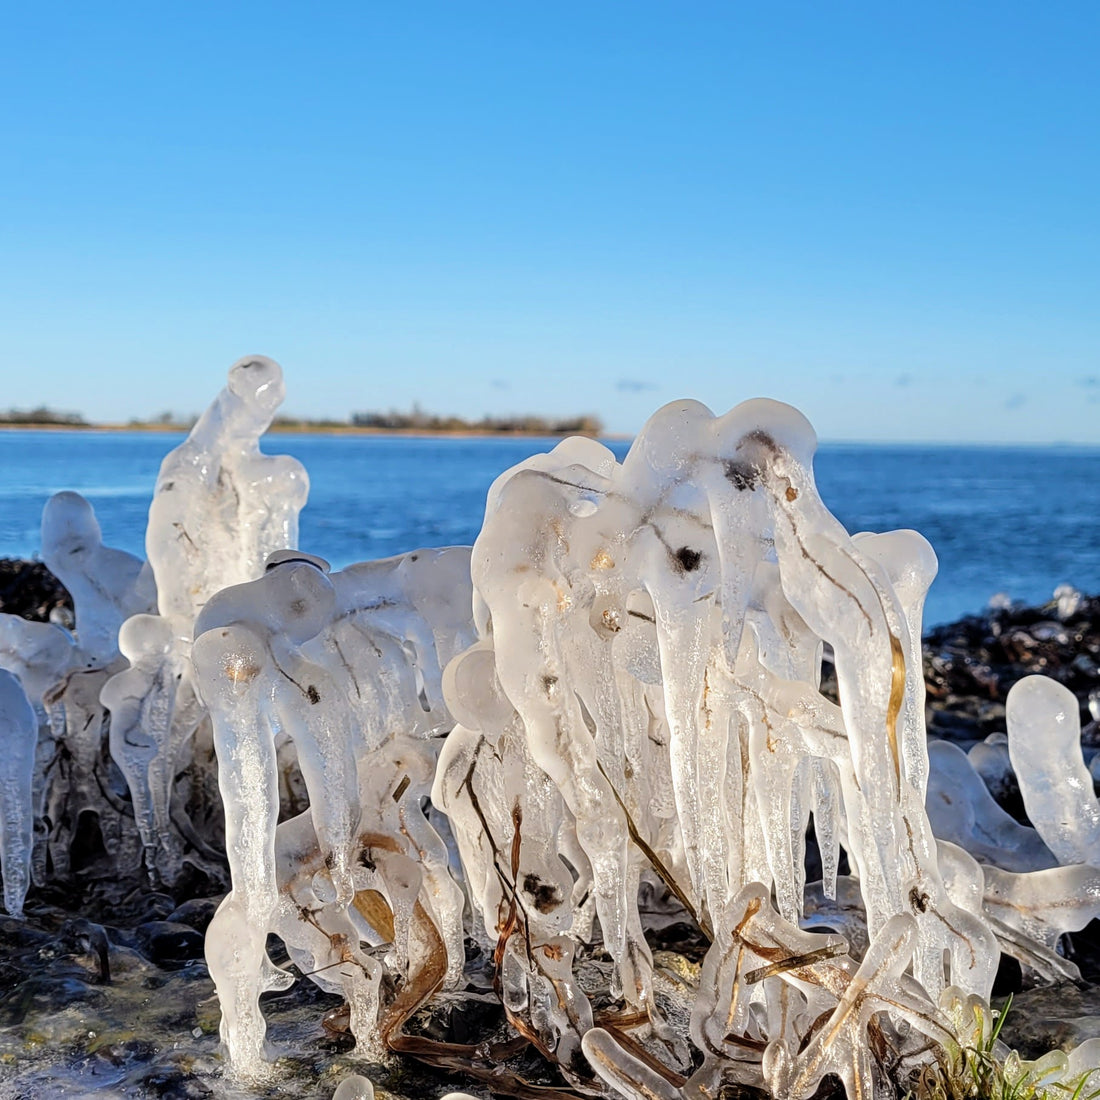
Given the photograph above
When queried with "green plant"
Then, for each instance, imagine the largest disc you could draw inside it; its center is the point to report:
(980, 1067)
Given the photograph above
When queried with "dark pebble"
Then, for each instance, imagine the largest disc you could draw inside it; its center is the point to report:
(40, 996)
(168, 1083)
(169, 944)
(17, 935)
(126, 1052)
(196, 913)
(157, 907)
(30, 590)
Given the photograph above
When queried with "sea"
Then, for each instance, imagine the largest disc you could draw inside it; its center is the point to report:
(1011, 522)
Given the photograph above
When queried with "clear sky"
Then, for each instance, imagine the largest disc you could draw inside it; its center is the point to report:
(887, 214)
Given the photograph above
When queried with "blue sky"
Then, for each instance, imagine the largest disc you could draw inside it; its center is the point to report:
(886, 214)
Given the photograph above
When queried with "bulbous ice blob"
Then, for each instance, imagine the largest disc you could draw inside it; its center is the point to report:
(107, 585)
(1084, 1060)
(354, 1087)
(40, 654)
(219, 509)
(1044, 742)
(911, 565)
(962, 810)
(18, 738)
(220, 505)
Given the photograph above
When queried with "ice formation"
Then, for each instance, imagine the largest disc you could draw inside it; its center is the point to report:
(347, 668)
(614, 696)
(1044, 743)
(220, 508)
(650, 642)
(19, 730)
(107, 585)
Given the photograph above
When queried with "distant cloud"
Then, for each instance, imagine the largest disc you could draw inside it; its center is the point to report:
(633, 385)
(1016, 401)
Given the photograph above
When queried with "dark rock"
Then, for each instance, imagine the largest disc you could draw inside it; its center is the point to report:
(30, 590)
(18, 935)
(168, 1083)
(125, 1052)
(83, 936)
(953, 726)
(1046, 1017)
(42, 996)
(169, 944)
(157, 907)
(970, 665)
(196, 913)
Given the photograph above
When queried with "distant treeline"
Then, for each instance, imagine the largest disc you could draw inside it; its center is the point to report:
(415, 421)
(44, 416)
(504, 425)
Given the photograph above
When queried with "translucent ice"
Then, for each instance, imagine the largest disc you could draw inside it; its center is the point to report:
(346, 669)
(962, 810)
(646, 681)
(1044, 741)
(154, 710)
(18, 738)
(354, 1087)
(107, 585)
(614, 698)
(221, 506)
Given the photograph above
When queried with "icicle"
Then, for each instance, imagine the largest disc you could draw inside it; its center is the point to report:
(18, 736)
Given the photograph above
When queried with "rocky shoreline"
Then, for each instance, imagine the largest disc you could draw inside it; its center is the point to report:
(103, 989)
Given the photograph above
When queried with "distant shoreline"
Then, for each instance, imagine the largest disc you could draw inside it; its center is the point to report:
(316, 429)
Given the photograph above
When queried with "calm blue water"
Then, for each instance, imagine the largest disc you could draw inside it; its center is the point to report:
(1015, 520)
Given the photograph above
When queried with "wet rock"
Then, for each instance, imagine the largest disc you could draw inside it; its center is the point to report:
(461, 1017)
(18, 936)
(1046, 1017)
(171, 1082)
(196, 913)
(970, 665)
(168, 943)
(157, 907)
(84, 937)
(30, 590)
(123, 1053)
(42, 997)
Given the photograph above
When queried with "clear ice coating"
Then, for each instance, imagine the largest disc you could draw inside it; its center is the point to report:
(346, 668)
(107, 585)
(613, 698)
(19, 738)
(650, 642)
(220, 508)
(1044, 743)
